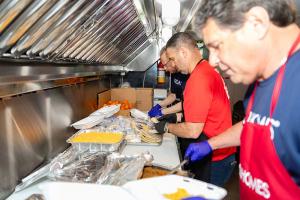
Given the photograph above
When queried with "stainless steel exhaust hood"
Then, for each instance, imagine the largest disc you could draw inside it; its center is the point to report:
(101, 32)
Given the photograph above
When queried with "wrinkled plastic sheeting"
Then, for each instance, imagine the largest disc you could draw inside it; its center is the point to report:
(99, 167)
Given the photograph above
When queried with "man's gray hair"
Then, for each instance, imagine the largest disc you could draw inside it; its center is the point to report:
(162, 50)
(230, 13)
(182, 38)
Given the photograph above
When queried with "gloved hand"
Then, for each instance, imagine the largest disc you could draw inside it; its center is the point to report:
(197, 151)
(155, 111)
(161, 126)
(171, 118)
(194, 198)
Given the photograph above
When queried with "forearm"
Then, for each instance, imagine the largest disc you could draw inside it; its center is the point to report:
(186, 129)
(167, 101)
(173, 109)
(229, 138)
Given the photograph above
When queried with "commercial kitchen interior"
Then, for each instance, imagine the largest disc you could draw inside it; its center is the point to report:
(57, 55)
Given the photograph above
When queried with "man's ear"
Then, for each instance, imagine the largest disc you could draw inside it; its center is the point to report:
(183, 51)
(257, 22)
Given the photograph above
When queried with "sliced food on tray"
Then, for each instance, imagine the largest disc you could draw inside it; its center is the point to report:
(145, 129)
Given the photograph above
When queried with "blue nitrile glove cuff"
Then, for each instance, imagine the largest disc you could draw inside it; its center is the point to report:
(197, 151)
(155, 111)
(194, 198)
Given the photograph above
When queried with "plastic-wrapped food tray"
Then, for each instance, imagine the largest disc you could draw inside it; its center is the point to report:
(95, 146)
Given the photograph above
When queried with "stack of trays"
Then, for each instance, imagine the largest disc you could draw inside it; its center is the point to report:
(96, 117)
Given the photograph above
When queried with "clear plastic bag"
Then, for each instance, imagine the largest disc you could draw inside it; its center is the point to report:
(85, 167)
(121, 169)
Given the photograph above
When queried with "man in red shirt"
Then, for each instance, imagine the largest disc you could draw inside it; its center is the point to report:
(206, 106)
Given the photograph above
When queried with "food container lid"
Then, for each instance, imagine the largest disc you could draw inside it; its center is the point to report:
(107, 111)
(88, 122)
(138, 114)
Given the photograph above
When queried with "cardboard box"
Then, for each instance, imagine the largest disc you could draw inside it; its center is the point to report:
(140, 98)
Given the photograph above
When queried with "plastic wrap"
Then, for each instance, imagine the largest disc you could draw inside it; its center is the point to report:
(100, 167)
(121, 123)
(86, 167)
(122, 169)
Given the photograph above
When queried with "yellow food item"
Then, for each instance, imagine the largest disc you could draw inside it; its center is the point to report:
(178, 195)
(98, 137)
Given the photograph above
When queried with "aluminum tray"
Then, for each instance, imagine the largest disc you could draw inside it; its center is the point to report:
(95, 147)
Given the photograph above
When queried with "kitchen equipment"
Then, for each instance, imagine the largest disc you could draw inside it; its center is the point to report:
(178, 167)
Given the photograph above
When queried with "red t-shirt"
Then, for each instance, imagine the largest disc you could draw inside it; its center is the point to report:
(206, 101)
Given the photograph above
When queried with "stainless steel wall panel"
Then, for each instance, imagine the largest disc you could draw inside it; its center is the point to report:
(35, 126)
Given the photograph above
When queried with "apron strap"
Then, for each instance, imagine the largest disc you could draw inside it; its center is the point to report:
(278, 83)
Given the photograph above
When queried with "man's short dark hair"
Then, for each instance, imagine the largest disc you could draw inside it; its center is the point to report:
(163, 50)
(181, 38)
(230, 13)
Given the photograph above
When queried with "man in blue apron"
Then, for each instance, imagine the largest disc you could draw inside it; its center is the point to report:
(258, 41)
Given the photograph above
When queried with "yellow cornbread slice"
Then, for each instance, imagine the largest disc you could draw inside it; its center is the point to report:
(97, 137)
(178, 195)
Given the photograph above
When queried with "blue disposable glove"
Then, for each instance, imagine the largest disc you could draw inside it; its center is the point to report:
(194, 198)
(155, 111)
(197, 151)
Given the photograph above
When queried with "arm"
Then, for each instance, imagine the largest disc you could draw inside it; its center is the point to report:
(229, 138)
(186, 129)
(167, 101)
(173, 109)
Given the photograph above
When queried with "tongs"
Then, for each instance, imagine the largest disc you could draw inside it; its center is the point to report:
(178, 167)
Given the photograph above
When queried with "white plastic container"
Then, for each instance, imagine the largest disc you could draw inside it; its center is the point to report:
(88, 122)
(155, 188)
(80, 191)
(107, 111)
(138, 114)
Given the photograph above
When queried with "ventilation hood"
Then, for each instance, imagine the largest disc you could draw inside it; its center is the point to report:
(106, 32)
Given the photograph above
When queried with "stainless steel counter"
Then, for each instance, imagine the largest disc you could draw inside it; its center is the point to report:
(165, 155)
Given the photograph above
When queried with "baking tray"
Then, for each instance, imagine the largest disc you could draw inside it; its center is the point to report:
(95, 147)
(144, 143)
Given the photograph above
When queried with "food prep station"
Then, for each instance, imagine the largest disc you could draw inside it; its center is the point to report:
(61, 62)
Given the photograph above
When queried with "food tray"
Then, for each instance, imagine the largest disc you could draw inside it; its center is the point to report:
(95, 147)
(144, 143)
